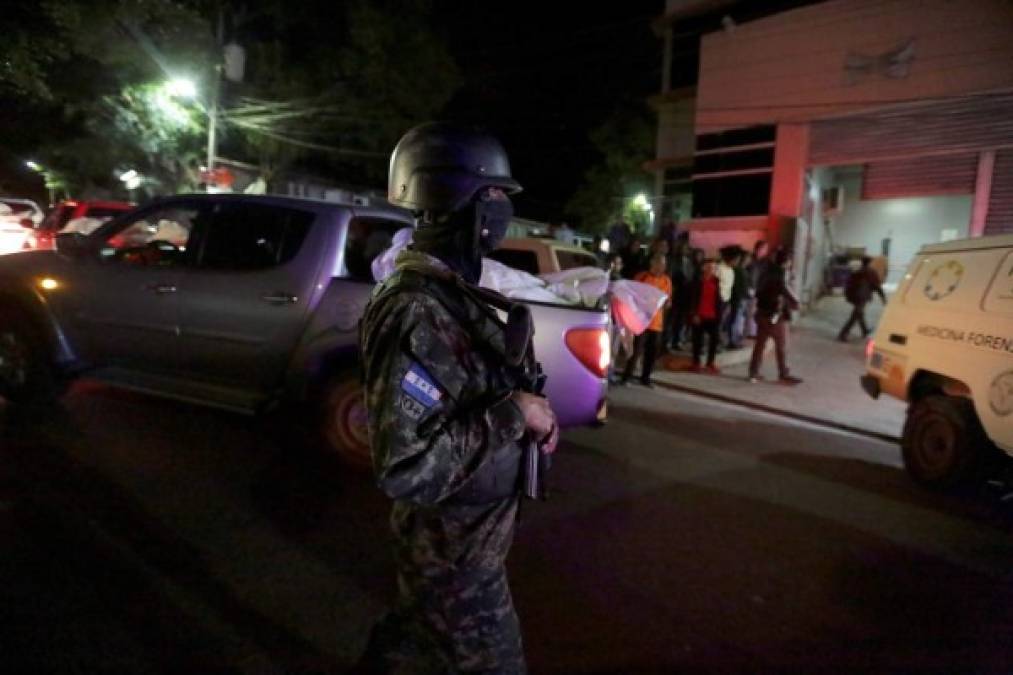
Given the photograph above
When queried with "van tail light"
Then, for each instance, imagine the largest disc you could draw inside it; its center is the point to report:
(592, 348)
(870, 347)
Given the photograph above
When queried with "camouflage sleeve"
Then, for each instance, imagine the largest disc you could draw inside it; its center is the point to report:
(429, 430)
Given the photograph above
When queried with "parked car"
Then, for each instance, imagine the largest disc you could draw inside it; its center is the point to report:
(17, 218)
(542, 256)
(74, 216)
(945, 345)
(237, 301)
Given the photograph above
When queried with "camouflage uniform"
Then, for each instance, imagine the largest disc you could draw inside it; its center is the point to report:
(445, 439)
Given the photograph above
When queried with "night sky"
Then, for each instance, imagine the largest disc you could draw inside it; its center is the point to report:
(541, 76)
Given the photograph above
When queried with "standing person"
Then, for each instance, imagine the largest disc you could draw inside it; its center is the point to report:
(705, 315)
(565, 234)
(449, 420)
(861, 285)
(774, 304)
(633, 258)
(619, 236)
(726, 279)
(670, 232)
(754, 270)
(734, 314)
(647, 343)
(681, 273)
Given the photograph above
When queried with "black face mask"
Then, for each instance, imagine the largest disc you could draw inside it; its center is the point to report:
(460, 239)
(492, 218)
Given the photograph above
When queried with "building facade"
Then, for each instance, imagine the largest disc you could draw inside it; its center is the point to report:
(845, 126)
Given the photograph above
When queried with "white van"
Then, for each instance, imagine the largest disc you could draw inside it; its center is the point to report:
(945, 344)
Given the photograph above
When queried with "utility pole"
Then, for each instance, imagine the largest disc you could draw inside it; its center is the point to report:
(215, 86)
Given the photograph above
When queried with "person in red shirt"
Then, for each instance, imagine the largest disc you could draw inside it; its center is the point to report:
(705, 310)
(646, 344)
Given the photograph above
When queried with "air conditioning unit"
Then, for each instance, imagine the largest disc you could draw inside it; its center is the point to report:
(832, 200)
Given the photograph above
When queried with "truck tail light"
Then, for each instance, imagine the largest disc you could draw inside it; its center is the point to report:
(870, 347)
(592, 348)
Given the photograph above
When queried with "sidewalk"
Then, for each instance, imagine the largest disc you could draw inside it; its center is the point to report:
(830, 370)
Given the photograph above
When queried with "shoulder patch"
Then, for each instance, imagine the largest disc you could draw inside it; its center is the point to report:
(420, 386)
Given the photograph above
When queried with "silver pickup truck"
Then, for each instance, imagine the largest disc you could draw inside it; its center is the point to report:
(238, 301)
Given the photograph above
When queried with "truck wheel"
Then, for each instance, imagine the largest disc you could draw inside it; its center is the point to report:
(943, 442)
(26, 375)
(344, 421)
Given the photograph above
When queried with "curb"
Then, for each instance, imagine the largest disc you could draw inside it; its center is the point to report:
(840, 426)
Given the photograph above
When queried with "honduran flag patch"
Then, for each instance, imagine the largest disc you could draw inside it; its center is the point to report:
(417, 384)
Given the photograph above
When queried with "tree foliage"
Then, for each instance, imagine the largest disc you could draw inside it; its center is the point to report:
(625, 141)
(328, 88)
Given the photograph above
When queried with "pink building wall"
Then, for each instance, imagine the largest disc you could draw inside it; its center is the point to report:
(790, 67)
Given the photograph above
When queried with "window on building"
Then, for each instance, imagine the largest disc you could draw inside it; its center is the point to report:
(732, 172)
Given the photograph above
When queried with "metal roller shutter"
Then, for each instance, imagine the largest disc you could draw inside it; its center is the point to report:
(999, 219)
(921, 176)
(941, 127)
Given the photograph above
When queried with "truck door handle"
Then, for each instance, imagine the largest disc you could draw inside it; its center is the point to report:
(280, 298)
(161, 289)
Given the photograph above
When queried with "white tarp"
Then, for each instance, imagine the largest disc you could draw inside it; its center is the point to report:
(633, 303)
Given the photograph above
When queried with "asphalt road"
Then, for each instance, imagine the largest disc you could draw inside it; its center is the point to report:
(685, 536)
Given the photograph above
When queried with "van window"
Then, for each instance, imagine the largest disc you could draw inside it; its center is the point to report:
(525, 261)
(570, 259)
(367, 238)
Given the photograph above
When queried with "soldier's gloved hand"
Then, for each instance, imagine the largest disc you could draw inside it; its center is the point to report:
(539, 419)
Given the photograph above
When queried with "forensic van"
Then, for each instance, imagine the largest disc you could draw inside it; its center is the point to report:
(945, 345)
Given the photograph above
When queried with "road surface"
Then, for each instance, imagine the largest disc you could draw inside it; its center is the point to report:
(685, 535)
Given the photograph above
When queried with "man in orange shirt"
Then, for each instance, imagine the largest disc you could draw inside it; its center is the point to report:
(646, 344)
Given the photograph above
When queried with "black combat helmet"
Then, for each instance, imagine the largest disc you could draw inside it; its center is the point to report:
(438, 167)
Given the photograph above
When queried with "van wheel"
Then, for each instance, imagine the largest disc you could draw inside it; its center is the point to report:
(26, 375)
(343, 420)
(943, 442)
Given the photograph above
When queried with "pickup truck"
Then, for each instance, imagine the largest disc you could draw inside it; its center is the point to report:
(238, 301)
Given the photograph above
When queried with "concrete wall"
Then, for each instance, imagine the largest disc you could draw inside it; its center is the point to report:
(909, 222)
(676, 138)
(790, 66)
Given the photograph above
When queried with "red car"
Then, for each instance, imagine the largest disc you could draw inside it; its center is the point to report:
(76, 216)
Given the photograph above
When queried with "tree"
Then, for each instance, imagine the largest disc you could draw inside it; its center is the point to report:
(330, 97)
(335, 96)
(72, 81)
(625, 141)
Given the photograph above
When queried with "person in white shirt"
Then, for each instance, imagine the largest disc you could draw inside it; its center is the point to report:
(566, 235)
(726, 273)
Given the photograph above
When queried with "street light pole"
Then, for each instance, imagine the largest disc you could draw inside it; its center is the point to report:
(213, 103)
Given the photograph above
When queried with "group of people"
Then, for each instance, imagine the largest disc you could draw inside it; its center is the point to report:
(721, 301)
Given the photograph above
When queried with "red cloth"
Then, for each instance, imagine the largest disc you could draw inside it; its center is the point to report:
(708, 308)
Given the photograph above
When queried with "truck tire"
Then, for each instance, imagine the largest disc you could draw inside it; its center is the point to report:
(943, 442)
(343, 422)
(27, 376)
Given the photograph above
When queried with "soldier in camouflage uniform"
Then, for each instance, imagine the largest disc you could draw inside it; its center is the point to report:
(447, 416)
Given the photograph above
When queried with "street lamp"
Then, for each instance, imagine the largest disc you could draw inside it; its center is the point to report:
(181, 87)
(184, 88)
